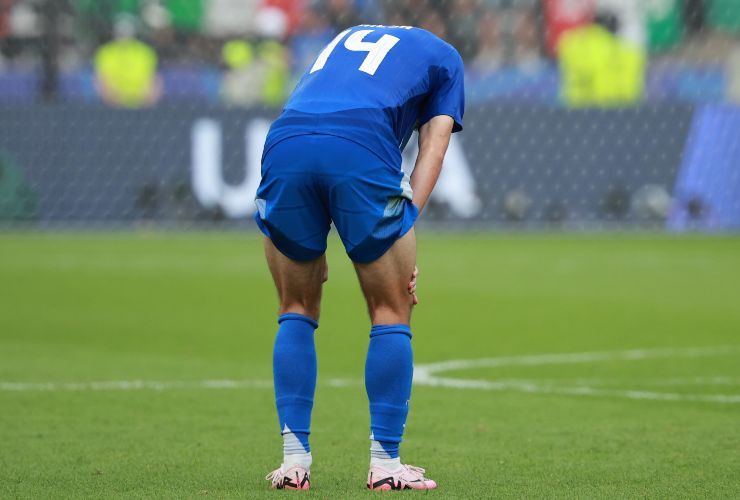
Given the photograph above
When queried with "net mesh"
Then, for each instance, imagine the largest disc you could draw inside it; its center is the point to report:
(580, 113)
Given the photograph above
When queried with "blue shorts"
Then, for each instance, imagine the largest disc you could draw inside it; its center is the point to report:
(309, 181)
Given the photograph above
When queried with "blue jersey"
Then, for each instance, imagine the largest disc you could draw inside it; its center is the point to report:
(374, 85)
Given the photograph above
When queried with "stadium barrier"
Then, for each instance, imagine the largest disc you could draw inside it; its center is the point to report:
(517, 164)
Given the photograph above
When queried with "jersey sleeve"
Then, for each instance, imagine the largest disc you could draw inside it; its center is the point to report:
(447, 96)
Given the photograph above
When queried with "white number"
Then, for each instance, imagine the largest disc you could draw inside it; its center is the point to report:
(324, 56)
(376, 50)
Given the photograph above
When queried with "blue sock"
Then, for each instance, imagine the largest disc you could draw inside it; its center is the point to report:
(389, 370)
(294, 372)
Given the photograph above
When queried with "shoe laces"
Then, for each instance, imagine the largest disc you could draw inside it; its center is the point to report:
(275, 476)
(417, 471)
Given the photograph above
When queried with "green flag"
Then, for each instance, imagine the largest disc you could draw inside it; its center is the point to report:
(725, 15)
(187, 15)
(664, 24)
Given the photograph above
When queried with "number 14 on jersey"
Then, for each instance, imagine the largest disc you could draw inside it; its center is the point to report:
(376, 51)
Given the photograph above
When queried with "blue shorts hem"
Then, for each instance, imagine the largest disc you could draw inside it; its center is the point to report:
(366, 252)
(261, 225)
(304, 256)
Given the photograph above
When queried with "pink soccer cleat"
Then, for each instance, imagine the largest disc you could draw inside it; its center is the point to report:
(295, 477)
(407, 477)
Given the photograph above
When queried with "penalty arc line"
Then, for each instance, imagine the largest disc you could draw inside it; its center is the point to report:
(581, 390)
(426, 374)
(575, 358)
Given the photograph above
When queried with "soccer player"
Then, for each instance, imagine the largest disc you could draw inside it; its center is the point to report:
(334, 155)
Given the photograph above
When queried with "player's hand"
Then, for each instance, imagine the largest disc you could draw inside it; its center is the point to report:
(412, 285)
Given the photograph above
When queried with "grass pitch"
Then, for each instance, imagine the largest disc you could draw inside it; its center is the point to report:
(108, 344)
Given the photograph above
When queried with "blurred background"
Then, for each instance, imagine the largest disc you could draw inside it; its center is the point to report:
(581, 113)
(137, 363)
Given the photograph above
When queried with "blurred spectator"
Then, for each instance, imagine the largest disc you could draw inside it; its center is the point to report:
(509, 35)
(312, 35)
(258, 75)
(527, 54)
(406, 12)
(96, 17)
(158, 22)
(4, 28)
(464, 23)
(490, 34)
(630, 15)
(24, 29)
(369, 11)
(277, 74)
(272, 28)
(5, 6)
(293, 9)
(561, 16)
(255, 76)
(695, 15)
(126, 68)
(244, 78)
(227, 18)
(271, 23)
(598, 68)
(342, 14)
(490, 55)
(183, 39)
(397, 18)
(433, 22)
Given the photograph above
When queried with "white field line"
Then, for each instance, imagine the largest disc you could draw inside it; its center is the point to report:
(154, 385)
(575, 358)
(649, 381)
(523, 385)
(538, 388)
(426, 375)
(133, 385)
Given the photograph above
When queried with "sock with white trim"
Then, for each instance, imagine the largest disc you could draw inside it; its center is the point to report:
(294, 372)
(379, 457)
(389, 370)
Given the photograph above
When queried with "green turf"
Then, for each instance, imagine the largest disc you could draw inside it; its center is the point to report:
(190, 307)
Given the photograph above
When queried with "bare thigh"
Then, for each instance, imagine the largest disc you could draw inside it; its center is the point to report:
(298, 284)
(385, 282)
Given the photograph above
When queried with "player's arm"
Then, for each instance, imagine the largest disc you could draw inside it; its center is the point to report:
(441, 117)
(434, 137)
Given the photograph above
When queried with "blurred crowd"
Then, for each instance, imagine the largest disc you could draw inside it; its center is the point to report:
(260, 47)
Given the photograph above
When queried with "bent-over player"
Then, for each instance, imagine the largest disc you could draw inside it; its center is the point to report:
(334, 155)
